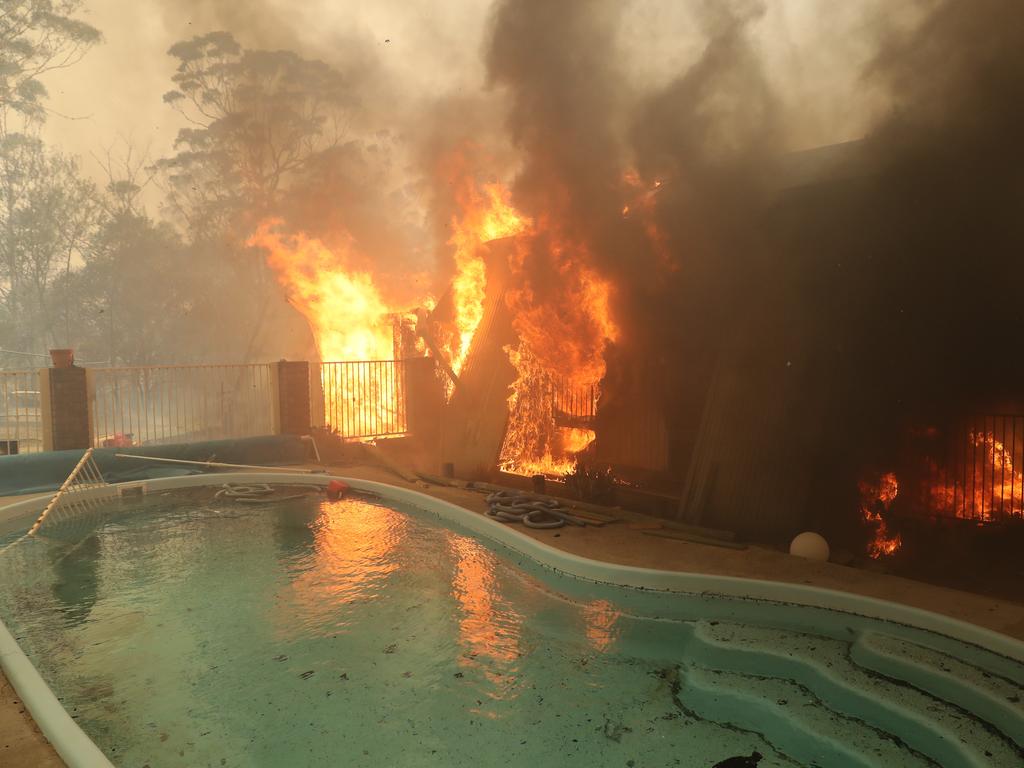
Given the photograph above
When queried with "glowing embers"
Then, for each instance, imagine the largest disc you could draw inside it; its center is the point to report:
(642, 206)
(876, 498)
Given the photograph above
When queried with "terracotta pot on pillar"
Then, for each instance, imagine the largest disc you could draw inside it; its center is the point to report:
(62, 358)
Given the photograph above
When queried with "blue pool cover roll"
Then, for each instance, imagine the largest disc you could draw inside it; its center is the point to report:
(40, 472)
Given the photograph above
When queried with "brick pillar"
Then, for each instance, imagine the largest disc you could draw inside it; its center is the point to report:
(424, 402)
(293, 415)
(64, 408)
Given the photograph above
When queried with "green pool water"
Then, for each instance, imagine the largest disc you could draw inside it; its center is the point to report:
(191, 631)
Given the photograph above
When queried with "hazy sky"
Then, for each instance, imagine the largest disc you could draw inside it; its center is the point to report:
(117, 89)
(421, 49)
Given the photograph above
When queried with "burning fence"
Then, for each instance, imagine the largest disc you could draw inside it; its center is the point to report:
(978, 478)
(968, 471)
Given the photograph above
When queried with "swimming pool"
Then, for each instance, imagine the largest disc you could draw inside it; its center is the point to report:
(187, 630)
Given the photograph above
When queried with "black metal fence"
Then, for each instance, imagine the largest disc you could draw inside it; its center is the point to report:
(148, 405)
(573, 403)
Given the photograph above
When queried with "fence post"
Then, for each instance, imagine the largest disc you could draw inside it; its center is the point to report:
(424, 402)
(64, 408)
(290, 387)
(45, 412)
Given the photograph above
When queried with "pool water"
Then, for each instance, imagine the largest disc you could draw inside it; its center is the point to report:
(193, 631)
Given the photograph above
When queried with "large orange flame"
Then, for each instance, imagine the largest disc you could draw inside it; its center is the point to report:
(350, 322)
(349, 319)
(564, 326)
(485, 215)
(562, 319)
(559, 303)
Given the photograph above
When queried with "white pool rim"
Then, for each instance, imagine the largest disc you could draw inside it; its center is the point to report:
(78, 751)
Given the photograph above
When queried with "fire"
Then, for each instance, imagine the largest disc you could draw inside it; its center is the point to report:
(575, 439)
(560, 308)
(876, 500)
(349, 319)
(485, 215)
(990, 486)
(347, 314)
(535, 444)
(564, 324)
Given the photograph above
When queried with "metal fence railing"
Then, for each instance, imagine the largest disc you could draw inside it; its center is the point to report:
(574, 401)
(21, 424)
(180, 403)
(360, 399)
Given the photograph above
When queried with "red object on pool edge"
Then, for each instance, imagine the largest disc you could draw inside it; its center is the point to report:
(336, 489)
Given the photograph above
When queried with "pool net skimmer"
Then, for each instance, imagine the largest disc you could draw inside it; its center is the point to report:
(81, 497)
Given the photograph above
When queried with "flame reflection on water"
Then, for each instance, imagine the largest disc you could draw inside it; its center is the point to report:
(488, 625)
(354, 551)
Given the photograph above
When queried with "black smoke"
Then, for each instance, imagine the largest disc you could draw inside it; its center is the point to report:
(803, 323)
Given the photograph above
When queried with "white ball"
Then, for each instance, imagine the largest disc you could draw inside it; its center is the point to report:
(810, 545)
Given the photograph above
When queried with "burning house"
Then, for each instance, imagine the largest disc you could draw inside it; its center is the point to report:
(854, 373)
(745, 337)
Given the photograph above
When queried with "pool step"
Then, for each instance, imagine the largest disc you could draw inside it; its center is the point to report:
(942, 730)
(988, 696)
(793, 720)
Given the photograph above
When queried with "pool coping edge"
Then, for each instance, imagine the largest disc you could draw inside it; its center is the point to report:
(67, 738)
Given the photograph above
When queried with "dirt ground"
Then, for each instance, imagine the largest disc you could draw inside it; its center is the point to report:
(21, 743)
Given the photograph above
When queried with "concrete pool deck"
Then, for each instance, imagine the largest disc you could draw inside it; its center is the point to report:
(623, 543)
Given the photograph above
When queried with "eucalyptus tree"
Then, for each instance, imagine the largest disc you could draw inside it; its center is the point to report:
(259, 122)
(49, 214)
(257, 119)
(36, 37)
(47, 211)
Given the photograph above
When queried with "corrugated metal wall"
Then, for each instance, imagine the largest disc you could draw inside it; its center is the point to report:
(639, 441)
(750, 469)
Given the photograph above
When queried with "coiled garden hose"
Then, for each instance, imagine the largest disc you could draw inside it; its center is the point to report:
(530, 510)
